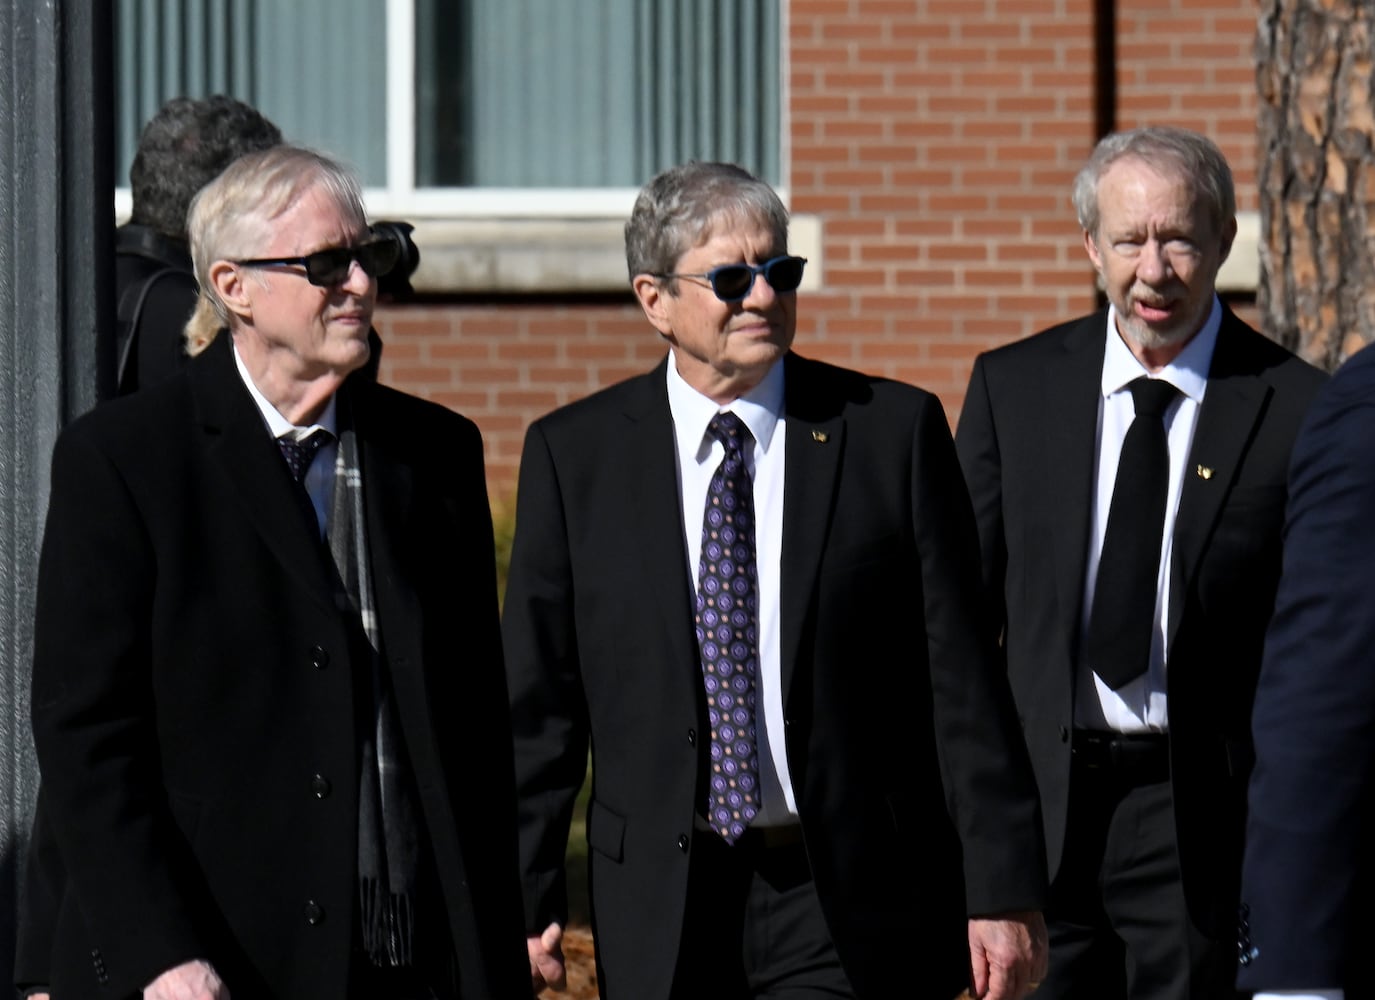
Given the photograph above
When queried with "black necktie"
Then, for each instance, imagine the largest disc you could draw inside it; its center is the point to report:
(1122, 621)
(298, 456)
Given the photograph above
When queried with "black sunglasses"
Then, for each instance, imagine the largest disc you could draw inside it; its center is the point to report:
(732, 282)
(330, 267)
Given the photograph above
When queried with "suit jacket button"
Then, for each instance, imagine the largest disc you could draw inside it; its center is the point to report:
(314, 912)
(1064, 734)
(682, 842)
(319, 657)
(319, 785)
(692, 737)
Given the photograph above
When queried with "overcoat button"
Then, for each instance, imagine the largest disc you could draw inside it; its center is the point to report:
(682, 842)
(320, 786)
(319, 657)
(314, 912)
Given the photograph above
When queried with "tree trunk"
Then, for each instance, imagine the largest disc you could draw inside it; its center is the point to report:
(1314, 63)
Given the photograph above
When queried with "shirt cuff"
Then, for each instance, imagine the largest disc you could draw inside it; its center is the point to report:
(1301, 995)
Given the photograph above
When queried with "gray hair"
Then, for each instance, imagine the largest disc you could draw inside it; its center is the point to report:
(1178, 151)
(679, 208)
(184, 147)
(232, 217)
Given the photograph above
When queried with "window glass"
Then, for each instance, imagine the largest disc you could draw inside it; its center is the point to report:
(514, 94)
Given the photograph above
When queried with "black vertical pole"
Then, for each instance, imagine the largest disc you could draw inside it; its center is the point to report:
(56, 280)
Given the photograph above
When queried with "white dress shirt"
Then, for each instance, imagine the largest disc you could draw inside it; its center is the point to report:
(698, 455)
(319, 479)
(1139, 706)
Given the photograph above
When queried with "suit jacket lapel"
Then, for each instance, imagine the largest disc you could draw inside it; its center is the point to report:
(1070, 425)
(1231, 407)
(651, 482)
(239, 445)
(814, 443)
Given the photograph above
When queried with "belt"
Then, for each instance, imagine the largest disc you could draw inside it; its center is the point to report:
(758, 838)
(771, 838)
(1136, 758)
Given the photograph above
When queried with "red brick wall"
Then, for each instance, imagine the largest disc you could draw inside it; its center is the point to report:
(936, 141)
(1192, 63)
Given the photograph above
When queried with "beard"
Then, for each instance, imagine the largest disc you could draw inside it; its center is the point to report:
(1175, 333)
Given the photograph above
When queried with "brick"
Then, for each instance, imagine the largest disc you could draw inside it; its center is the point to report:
(455, 350)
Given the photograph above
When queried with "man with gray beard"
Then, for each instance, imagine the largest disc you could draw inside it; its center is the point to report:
(1128, 475)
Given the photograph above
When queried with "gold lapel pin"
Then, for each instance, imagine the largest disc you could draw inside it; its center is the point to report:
(1204, 472)
(820, 437)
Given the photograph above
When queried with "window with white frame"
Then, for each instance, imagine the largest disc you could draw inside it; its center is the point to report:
(475, 108)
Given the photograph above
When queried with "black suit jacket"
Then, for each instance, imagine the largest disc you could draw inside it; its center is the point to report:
(1308, 877)
(195, 715)
(897, 717)
(1027, 439)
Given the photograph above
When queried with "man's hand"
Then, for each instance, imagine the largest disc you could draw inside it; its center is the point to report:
(1007, 955)
(546, 959)
(194, 980)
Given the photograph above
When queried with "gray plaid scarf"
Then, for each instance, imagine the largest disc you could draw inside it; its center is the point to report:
(388, 814)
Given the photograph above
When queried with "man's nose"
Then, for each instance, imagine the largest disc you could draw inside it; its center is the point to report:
(761, 294)
(1154, 263)
(358, 281)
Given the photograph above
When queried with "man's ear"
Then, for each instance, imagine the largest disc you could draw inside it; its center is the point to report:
(229, 285)
(656, 303)
(1091, 245)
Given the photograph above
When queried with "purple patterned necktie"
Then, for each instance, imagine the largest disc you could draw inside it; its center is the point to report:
(728, 633)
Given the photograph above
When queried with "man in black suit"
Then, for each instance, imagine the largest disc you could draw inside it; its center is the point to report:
(248, 651)
(1133, 652)
(1307, 881)
(815, 787)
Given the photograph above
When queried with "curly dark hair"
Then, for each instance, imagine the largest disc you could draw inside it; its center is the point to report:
(184, 147)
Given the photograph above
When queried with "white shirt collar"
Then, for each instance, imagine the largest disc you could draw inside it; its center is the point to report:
(278, 425)
(760, 409)
(1188, 372)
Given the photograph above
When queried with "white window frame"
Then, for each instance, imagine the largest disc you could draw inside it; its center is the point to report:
(516, 239)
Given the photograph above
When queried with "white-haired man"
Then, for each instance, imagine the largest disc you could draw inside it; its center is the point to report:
(259, 579)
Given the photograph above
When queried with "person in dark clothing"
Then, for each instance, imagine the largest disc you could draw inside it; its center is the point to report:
(181, 149)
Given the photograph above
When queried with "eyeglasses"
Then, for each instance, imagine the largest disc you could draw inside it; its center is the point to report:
(732, 282)
(330, 267)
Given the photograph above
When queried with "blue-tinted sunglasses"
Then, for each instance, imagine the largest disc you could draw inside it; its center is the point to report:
(732, 282)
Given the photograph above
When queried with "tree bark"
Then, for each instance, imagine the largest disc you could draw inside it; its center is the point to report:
(1316, 179)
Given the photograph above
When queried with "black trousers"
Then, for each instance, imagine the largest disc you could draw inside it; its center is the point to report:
(1119, 927)
(754, 926)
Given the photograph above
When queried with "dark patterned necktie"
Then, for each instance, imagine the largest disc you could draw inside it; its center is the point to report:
(299, 454)
(1122, 621)
(728, 633)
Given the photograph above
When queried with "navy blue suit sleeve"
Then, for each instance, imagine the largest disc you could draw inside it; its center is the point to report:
(1314, 717)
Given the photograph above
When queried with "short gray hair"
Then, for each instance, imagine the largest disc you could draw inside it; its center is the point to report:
(184, 147)
(1179, 151)
(678, 208)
